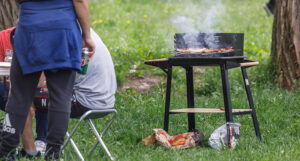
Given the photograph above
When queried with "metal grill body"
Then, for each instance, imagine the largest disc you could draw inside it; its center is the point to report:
(225, 61)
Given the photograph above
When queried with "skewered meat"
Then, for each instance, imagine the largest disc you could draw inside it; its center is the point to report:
(204, 50)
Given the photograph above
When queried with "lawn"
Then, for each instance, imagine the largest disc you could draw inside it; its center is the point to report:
(138, 30)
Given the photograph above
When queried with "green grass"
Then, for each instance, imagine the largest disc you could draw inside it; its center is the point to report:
(277, 110)
(138, 30)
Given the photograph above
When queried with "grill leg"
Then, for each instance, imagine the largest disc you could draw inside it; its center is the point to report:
(190, 97)
(251, 102)
(168, 98)
(226, 93)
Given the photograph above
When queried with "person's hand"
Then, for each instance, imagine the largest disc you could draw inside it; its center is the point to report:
(32, 110)
(89, 43)
(7, 81)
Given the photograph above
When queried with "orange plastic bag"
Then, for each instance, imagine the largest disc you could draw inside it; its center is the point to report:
(180, 141)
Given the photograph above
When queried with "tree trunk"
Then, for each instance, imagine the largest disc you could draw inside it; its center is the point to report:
(286, 43)
(9, 10)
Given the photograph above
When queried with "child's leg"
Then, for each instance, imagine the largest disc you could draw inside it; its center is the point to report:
(27, 136)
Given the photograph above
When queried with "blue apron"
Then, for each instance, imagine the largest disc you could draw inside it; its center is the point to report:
(48, 36)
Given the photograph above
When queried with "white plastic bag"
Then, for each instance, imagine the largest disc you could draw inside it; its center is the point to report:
(228, 134)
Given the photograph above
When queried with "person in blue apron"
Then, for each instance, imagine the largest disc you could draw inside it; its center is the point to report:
(49, 38)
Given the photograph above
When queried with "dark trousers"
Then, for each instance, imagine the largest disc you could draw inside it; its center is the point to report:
(41, 117)
(60, 85)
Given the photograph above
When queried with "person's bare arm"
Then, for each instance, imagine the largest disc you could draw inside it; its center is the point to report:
(82, 11)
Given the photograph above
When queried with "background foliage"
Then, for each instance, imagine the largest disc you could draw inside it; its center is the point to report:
(138, 30)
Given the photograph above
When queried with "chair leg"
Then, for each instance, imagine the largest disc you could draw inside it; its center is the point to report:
(75, 147)
(108, 124)
(99, 136)
(71, 134)
(103, 131)
(100, 139)
(94, 147)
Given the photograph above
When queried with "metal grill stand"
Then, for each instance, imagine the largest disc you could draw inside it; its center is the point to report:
(225, 63)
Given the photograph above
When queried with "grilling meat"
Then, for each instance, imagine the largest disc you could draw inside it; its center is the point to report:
(205, 50)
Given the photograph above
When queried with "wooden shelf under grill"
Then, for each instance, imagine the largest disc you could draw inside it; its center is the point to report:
(161, 63)
(249, 64)
(208, 110)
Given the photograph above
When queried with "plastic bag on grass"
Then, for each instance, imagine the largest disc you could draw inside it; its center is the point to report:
(180, 141)
(228, 134)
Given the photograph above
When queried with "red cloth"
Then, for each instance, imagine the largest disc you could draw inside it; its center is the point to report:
(5, 45)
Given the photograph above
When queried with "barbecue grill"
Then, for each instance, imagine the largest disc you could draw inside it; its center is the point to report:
(209, 41)
(225, 60)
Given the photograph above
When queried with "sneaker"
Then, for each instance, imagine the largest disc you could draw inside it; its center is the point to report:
(40, 146)
(10, 158)
(23, 153)
(7, 157)
(53, 157)
(53, 153)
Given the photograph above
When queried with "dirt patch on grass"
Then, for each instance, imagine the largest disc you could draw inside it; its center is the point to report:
(141, 84)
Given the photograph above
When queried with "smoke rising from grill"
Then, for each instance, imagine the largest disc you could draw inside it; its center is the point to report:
(199, 17)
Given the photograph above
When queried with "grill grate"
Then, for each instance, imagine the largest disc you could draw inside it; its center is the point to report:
(209, 41)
